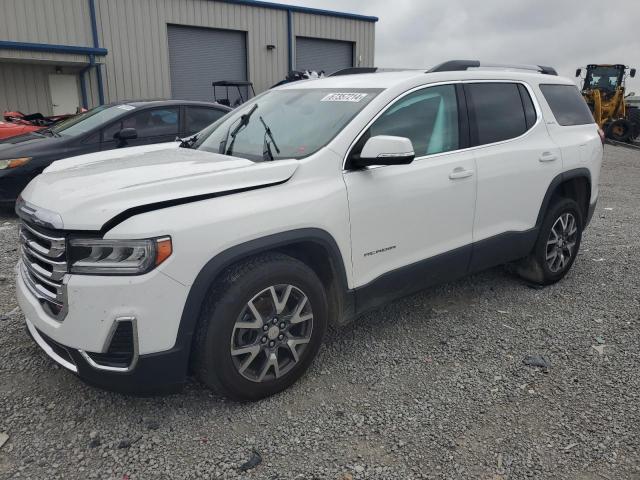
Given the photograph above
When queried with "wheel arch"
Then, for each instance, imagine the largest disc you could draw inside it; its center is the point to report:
(575, 184)
(313, 246)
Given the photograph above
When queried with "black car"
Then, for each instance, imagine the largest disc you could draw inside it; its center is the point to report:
(104, 128)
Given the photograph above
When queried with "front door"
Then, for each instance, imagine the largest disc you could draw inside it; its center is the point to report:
(64, 93)
(408, 218)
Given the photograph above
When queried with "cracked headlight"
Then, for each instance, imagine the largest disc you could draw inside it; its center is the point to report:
(96, 256)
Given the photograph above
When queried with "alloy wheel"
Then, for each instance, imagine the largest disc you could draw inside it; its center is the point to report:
(271, 333)
(561, 242)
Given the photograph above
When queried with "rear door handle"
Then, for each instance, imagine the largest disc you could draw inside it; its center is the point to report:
(460, 172)
(548, 157)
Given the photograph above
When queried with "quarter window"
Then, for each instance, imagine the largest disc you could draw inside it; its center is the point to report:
(428, 117)
(498, 111)
(567, 104)
(197, 118)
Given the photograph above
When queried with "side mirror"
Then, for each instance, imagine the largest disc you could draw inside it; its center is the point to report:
(127, 134)
(385, 150)
(578, 72)
(632, 72)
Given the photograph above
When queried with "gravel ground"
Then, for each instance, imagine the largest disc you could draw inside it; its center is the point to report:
(433, 386)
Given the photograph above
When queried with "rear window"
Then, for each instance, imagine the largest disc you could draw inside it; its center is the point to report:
(567, 104)
(497, 110)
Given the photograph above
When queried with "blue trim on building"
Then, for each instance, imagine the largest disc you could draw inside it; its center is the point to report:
(290, 38)
(94, 23)
(96, 44)
(52, 48)
(295, 8)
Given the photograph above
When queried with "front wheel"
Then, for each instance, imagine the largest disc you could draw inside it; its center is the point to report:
(261, 327)
(557, 245)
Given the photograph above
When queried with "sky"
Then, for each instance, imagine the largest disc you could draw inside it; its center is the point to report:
(565, 34)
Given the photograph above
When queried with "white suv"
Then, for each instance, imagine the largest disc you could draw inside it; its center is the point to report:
(309, 205)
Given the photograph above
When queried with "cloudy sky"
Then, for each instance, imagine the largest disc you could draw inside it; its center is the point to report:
(565, 34)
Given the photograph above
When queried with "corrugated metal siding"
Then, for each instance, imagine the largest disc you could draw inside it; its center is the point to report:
(135, 33)
(222, 55)
(321, 54)
(62, 22)
(359, 32)
(25, 87)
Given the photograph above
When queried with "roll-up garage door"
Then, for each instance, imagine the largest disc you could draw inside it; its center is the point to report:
(326, 55)
(199, 56)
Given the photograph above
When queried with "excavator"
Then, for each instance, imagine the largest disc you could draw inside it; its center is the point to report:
(604, 90)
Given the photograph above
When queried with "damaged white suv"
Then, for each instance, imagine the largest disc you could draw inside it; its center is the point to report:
(308, 205)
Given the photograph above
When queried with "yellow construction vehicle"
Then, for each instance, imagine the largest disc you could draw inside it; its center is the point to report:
(604, 91)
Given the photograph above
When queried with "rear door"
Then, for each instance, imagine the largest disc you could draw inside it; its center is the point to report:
(516, 162)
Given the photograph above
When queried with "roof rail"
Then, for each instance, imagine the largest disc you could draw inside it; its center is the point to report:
(354, 70)
(461, 65)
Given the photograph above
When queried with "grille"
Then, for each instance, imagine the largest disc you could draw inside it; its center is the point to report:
(43, 267)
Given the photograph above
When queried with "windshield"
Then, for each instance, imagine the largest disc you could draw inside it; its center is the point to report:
(84, 122)
(285, 123)
(603, 78)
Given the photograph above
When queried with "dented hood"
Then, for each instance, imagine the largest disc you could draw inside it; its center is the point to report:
(86, 195)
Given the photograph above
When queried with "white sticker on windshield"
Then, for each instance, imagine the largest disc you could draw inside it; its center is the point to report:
(344, 97)
(126, 107)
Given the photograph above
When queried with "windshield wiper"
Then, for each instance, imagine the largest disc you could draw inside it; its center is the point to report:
(49, 131)
(188, 142)
(267, 146)
(244, 121)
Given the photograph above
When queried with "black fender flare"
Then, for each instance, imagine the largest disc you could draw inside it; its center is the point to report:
(553, 186)
(212, 269)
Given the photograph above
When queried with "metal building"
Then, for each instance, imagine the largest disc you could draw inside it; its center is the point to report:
(57, 55)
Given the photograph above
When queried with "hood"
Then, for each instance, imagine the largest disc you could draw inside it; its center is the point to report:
(86, 195)
(91, 158)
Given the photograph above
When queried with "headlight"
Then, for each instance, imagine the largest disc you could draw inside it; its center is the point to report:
(93, 256)
(14, 162)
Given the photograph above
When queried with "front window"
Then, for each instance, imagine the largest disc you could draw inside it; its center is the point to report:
(85, 122)
(291, 123)
(603, 78)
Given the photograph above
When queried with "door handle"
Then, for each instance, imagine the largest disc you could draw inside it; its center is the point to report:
(460, 172)
(548, 157)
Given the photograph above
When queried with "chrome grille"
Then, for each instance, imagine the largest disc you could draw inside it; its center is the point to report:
(43, 267)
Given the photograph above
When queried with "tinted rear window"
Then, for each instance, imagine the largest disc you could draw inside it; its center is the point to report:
(567, 104)
(497, 110)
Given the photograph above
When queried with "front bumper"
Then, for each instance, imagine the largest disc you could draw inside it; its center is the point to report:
(152, 303)
(163, 372)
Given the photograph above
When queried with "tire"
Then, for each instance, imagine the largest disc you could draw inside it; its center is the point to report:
(633, 115)
(541, 266)
(257, 309)
(619, 130)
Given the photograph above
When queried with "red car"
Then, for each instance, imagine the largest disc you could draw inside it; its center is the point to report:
(17, 123)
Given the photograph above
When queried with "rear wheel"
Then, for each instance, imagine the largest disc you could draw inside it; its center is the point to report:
(261, 327)
(557, 245)
(633, 114)
(620, 130)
